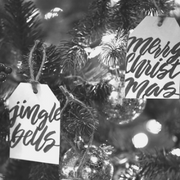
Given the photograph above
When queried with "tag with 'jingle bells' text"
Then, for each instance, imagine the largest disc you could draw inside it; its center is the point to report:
(34, 124)
(153, 60)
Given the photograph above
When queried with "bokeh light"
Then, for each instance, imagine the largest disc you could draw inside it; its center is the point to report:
(53, 13)
(113, 2)
(176, 152)
(153, 126)
(140, 140)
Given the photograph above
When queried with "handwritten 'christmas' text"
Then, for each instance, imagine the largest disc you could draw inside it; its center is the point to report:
(166, 65)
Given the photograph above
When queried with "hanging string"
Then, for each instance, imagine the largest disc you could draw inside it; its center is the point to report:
(35, 80)
(42, 63)
(160, 14)
(30, 61)
(70, 98)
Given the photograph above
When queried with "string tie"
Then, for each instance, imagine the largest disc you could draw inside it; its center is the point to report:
(35, 80)
(161, 15)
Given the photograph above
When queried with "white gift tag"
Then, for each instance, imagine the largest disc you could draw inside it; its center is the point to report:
(34, 124)
(153, 60)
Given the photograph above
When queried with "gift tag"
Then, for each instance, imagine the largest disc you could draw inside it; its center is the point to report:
(153, 60)
(34, 124)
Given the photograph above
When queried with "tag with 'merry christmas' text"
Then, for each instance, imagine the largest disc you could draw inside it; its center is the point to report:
(153, 60)
(34, 124)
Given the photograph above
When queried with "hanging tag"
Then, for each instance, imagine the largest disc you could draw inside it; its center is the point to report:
(34, 124)
(153, 60)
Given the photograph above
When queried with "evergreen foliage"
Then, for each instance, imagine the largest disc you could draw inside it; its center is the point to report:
(75, 80)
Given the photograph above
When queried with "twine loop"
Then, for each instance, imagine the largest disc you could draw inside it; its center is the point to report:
(161, 15)
(34, 80)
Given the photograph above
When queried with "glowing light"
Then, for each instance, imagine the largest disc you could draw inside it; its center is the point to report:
(131, 31)
(53, 13)
(135, 167)
(114, 82)
(114, 95)
(109, 36)
(153, 126)
(122, 161)
(113, 2)
(174, 138)
(176, 152)
(177, 1)
(19, 64)
(35, 12)
(94, 159)
(93, 52)
(140, 140)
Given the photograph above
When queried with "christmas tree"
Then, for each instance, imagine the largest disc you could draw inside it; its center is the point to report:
(78, 48)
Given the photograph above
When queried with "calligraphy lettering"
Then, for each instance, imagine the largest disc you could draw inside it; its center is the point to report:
(39, 117)
(20, 134)
(165, 64)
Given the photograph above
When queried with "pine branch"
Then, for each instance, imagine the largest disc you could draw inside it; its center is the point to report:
(20, 26)
(42, 171)
(53, 65)
(4, 123)
(160, 165)
(127, 14)
(73, 57)
(4, 133)
(51, 73)
(17, 170)
(131, 173)
(78, 119)
(93, 25)
(124, 15)
(100, 92)
(113, 51)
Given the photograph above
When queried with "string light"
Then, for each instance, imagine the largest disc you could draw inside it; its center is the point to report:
(140, 140)
(113, 2)
(176, 152)
(53, 13)
(177, 1)
(153, 126)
